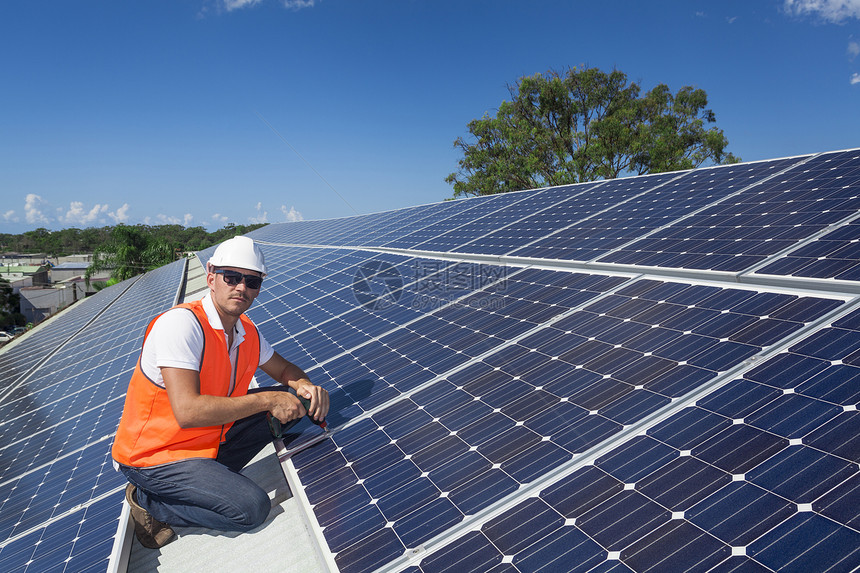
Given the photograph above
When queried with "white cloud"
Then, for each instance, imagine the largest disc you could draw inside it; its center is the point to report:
(220, 218)
(291, 215)
(853, 49)
(10, 216)
(166, 219)
(834, 11)
(298, 4)
(262, 216)
(78, 215)
(162, 219)
(120, 215)
(855, 79)
(231, 5)
(731, 20)
(33, 209)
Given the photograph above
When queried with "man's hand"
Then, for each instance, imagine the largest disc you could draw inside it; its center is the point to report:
(319, 399)
(284, 406)
(291, 375)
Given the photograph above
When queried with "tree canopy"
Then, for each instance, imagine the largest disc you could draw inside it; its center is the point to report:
(128, 252)
(72, 240)
(9, 304)
(583, 125)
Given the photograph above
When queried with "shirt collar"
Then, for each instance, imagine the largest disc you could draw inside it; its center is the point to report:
(215, 320)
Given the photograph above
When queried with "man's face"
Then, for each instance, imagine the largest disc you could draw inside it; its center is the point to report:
(231, 300)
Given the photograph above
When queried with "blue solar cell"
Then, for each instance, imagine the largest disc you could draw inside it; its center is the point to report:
(842, 503)
(676, 546)
(740, 513)
(437, 516)
(808, 542)
(535, 462)
(563, 547)
(460, 470)
(840, 436)
(507, 444)
(340, 535)
(787, 370)
(460, 418)
(739, 398)
(380, 546)
(482, 490)
(635, 459)
(678, 380)
(405, 500)
(600, 394)
(690, 428)
(471, 553)
(337, 480)
(793, 416)
(439, 453)
(838, 384)
(485, 429)
(739, 448)
(685, 346)
(510, 534)
(620, 520)
(634, 406)
(378, 460)
(422, 437)
(801, 474)
(682, 482)
(589, 432)
(342, 507)
(530, 405)
(829, 344)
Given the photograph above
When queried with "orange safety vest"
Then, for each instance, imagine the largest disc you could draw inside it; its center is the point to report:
(148, 434)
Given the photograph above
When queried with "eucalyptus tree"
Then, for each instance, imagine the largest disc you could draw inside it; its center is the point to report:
(583, 125)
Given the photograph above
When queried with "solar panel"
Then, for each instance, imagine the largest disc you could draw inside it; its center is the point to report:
(474, 437)
(760, 220)
(760, 473)
(835, 255)
(16, 360)
(59, 496)
(648, 373)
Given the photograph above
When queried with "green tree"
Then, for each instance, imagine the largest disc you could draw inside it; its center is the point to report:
(130, 251)
(9, 306)
(584, 125)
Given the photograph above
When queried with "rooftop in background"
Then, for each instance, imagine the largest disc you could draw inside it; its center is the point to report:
(72, 266)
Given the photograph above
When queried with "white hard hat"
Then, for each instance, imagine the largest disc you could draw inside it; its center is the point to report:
(240, 252)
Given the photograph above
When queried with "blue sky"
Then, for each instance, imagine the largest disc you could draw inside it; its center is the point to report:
(204, 112)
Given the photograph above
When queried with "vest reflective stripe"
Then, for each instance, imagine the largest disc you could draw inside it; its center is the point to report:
(148, 434)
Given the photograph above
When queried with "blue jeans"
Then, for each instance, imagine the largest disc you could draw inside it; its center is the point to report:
(210, 492)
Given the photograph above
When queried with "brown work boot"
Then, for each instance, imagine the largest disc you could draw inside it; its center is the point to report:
(150, 532)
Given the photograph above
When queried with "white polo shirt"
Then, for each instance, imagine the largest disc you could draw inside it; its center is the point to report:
(176, 341)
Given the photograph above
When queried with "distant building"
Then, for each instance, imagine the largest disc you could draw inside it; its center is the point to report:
(47, 288)
(20, 276)
(65, 271)
(40, 302)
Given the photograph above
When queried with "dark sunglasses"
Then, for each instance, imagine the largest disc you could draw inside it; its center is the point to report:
(233, 278)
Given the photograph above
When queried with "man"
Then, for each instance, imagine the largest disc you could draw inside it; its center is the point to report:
(190, 422)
